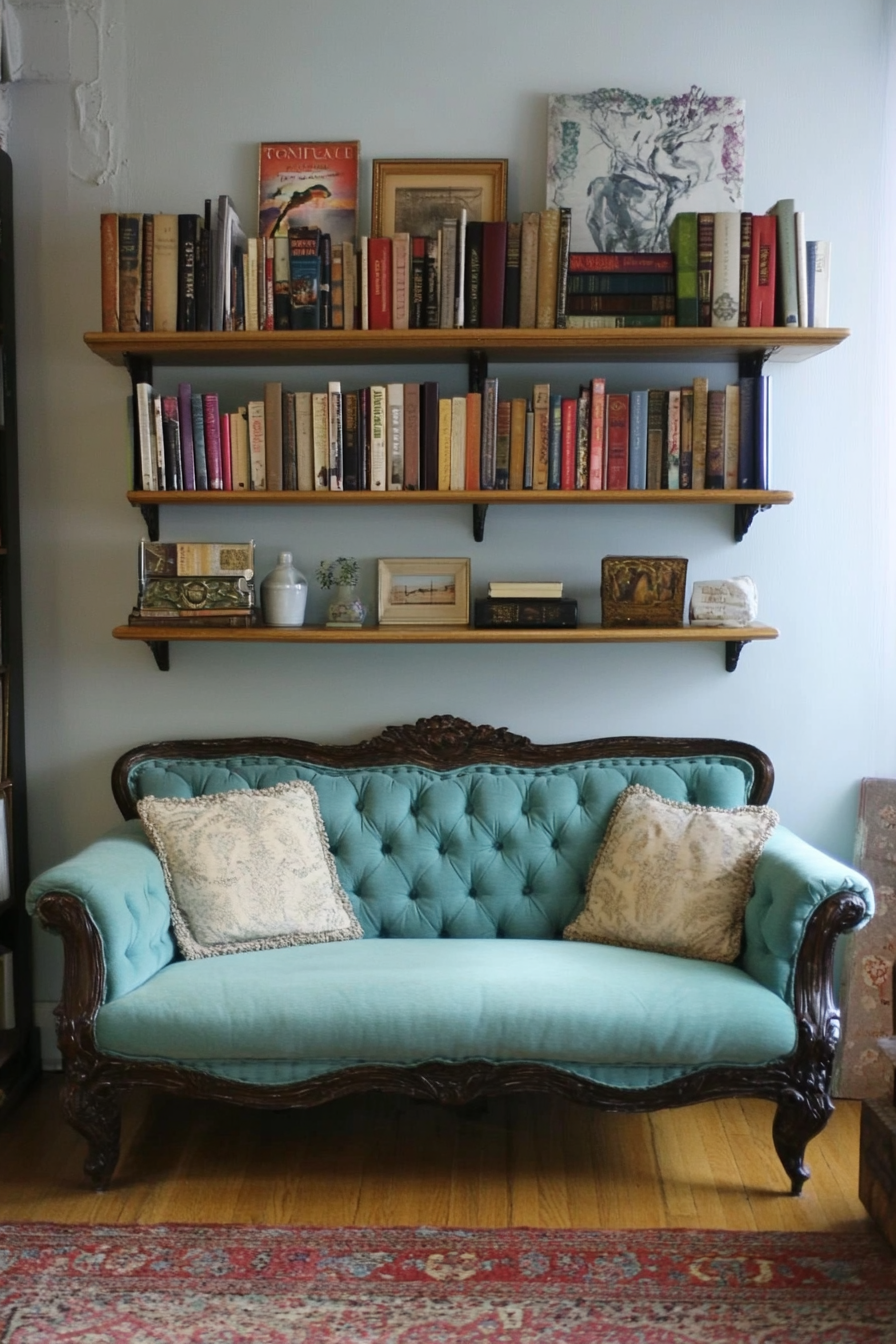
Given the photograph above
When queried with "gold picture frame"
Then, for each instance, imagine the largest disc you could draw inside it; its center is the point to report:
(423, 591)
(415, 195)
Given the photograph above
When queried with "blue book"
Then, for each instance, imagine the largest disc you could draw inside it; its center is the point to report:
(185, 415)
(637, 441)
(199, 442)
(555, 440)
(762, 436)
(747, 455)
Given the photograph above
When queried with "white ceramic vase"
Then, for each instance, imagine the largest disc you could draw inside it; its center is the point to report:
(284, 593)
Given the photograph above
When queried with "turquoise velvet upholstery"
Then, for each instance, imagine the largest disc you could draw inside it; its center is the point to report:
(409, 1000)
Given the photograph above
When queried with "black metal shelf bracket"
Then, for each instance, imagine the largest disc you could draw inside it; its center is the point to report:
(151, 518)
(159, 650)
(733, 649)
(743, 517)
(479, 512)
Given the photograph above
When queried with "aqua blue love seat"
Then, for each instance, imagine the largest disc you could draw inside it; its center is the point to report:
(464, 851)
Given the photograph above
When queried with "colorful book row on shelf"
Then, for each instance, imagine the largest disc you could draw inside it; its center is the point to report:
(405, 436)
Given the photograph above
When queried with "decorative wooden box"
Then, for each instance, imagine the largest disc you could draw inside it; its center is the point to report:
(643, 590)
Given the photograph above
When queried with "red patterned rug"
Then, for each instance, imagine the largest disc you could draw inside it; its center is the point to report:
(276, 1285)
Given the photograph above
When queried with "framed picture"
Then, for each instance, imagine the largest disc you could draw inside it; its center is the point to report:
(424, 592)
(307, 184)
(625, 165)
(415, 195)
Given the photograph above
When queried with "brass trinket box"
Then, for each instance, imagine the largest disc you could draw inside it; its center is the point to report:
(643, 590)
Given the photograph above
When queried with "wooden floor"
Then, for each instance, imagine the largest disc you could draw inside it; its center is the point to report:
(379, 1160)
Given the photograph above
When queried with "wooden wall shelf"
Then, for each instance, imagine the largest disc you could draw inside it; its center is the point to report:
(160, 636)
(508, 344)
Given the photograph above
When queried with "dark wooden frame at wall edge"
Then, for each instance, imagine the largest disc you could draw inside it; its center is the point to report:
(799, 1083)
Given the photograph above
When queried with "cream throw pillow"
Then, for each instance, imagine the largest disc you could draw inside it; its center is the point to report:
(673, 877)
(248, 870)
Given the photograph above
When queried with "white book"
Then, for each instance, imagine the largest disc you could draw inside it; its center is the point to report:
(726, 268)
(377, 438)
(320, 439)
(461, 267)
(525, 588)
(149, 470)
(304, 442)
(257, 465)
(401, 281)
(799, 242)
(818, 282)
(159, 441)
(458, 442)
(334, 408)
(395, 435)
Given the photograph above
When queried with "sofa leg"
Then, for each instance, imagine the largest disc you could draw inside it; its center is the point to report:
(798, 1119)
(95, 1112)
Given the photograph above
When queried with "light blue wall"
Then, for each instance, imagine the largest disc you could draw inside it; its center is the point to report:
(152, 105)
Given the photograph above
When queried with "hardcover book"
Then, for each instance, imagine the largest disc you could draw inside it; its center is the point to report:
(763, 271)
(109, 270)
(494, 265)
(528, 613)
(304, 280)
(146, 299)
(683, 240)
(130, 264)
(617, 440)
(310, 182)
(179, 559)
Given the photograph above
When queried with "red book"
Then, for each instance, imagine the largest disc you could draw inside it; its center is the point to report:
(226, 464)
(596, 436)
(617, 441)
(379, 273)
(653, 263)
(494, 267)
(211, 420)
(762, 271)
(569, 414)
(474, 440)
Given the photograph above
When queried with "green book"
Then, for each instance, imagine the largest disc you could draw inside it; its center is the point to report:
(683, 241)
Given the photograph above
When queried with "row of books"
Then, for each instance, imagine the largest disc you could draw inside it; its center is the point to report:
(405, 436)
(734, 268)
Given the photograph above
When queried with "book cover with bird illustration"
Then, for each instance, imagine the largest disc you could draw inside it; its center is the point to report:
(309, 184)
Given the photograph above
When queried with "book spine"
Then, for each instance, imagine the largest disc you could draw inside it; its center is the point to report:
(529, 458)
(130, 242)
(673, 439)
(715, 440)
(529, 242)
(159, 436)
(320, 439)
(251, 285)
(512, 276)
(799, 236)
(326, 282)
(401, 292)
(502, 446)
(257, 454)
(171, 433)
(270, 303)
(698, 434)
(204, 279)
(364, 438)
(349, 286)
(746, 457)
(622, 261)
(273, 436)
(548, 259)
(488, 463)
(683, 241)
(448, 273)
(281, 300)
(820, 276)
(763, 271)
(762, 432)
(304, 443)
(351, 476)
(109, 270)
(239, 444)
(621, 304)
(493, 613)
(604, 321)
(637, 441)
(474, 440)
(599, 282)
(686, 453)
(732, 434)
(746, 252)
(335, 436)
(583, 434)
(617, 440)
(597, 436)
(458, 449)
(473, 274)
(517, 443)
(185, 415)
(226, 452)
(726, 268)
(186, 272)
(395, 436)
(555, 440)
(412, 436)
(378, 438)
(416, 318)
(569, 409)
(212, 422)
(200, 459)
(429, 435)
(364, 284)
(431, 277)
(562, 265)
(143, 394)
(494, 267)
(304, 284)
(445, 409)
(786, 297)
(460, 270)
(656, 412)
(705, 233)
(146, 277)
(288, 447)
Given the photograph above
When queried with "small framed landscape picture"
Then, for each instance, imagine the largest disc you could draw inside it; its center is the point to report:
(424, 592)
(307, 184)
(415, 195)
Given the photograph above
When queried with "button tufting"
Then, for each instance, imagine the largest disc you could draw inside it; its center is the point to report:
(387, 849)
(442, 849)
(499, 844)
(470, 809)
(527, 891)
(473, 892)
(359, 806)
(555, 843)
(413, 894)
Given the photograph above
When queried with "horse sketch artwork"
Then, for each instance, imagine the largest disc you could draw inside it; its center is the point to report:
(626, 165)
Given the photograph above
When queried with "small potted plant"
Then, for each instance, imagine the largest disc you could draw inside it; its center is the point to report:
(341, 574)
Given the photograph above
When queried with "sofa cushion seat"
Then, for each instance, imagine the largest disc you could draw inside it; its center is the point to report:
(411, 1000)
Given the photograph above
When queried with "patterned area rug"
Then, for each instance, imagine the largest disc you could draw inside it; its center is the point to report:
(277, 1285)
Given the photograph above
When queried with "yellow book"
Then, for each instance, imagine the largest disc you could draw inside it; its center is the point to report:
(548, 261)
(698, 434)
(239, 449)
(517, 442)
(444, 443)
(541, 405)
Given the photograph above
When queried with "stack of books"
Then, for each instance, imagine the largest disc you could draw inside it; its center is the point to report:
(525, 605)
(195, 583)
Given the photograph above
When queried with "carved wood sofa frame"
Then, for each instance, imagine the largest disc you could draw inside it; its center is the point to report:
(799, 1082)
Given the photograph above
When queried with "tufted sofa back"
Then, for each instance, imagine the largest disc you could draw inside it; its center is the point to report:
(477, 851)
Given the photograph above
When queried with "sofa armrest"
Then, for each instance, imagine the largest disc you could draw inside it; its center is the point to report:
(119, 882)
(792, 881)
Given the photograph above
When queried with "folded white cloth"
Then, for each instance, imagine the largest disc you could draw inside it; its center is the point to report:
(727, 602)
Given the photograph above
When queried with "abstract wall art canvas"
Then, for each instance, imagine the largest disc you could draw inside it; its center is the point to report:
(626, 165)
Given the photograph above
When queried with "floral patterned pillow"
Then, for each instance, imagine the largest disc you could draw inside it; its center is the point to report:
(248, 870)
(673, 877)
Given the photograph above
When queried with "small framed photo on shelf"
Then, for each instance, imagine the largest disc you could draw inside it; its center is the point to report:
(307, 183)
(415, 195)
(424, 592)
